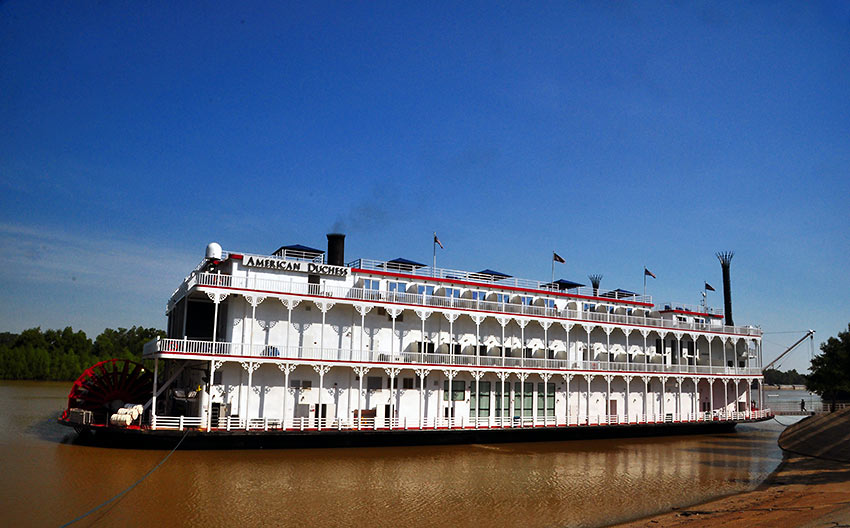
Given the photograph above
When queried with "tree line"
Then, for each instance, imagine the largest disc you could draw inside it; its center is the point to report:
(779, 377)
(62, 355)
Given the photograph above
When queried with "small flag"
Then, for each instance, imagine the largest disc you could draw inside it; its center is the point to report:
(647, 272)
(437, 241)
(558, 258)
(708, 287)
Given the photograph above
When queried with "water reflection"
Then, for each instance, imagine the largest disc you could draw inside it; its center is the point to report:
(578, 483)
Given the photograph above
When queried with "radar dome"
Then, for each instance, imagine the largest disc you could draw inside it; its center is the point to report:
(213, 251)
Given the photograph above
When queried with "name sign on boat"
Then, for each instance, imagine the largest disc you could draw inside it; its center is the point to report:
(312, 268)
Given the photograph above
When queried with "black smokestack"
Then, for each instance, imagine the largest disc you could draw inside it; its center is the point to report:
(336, 249)
(725, 258)
(595, 280)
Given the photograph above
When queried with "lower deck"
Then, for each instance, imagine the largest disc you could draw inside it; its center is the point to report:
(324, 434)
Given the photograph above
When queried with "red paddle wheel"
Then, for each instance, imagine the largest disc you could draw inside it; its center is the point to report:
(106, 386)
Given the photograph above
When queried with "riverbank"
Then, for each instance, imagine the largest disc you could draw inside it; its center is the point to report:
(811, 488)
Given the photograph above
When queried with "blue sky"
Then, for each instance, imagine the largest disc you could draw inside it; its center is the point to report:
(134, 133)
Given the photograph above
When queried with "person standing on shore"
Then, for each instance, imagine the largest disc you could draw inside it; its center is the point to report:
(803, 405)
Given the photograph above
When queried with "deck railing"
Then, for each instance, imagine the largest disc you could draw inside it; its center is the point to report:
(230, 423)
(489, 281)
(441, 301)
(192, 347)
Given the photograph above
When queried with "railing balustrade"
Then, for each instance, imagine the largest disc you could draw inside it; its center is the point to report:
(243, 350)
(230, 423)
(438, 301)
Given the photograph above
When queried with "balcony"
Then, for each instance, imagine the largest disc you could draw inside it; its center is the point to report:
(240, 351)
(276, 286)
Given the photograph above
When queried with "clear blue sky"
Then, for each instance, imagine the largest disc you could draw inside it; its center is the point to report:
(134, 133)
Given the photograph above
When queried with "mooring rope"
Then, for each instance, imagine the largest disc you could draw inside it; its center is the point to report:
(121, 494)
(780, 423)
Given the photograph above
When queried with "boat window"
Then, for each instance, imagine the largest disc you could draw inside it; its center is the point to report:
(399, 287)
(549, 303)
(427, 290)
(478, 295)
(525, 300)
(371, 284)
(373, 382)
(503, 298)
(458, 390)
(452, 292)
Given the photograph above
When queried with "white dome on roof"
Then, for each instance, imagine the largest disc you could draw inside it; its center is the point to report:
(213, 251)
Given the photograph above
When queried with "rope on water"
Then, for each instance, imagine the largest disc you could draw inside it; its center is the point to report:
(121, 494)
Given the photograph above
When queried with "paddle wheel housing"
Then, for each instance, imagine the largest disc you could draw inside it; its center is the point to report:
(108, 385)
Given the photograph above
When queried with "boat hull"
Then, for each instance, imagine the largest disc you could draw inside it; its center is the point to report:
(241, 439)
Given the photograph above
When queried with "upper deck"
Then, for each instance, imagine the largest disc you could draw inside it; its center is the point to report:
(449, 289)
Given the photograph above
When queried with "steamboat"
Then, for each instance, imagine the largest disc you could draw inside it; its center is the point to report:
(301, 348)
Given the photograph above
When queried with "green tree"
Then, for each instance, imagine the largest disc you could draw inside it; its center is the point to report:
(830, 377)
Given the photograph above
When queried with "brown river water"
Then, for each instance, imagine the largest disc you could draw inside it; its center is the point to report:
(47, 480)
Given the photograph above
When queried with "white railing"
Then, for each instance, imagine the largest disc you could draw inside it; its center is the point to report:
(438, 301)
(233, 423)
(489, 281)
(175, 422)
(282, 352)
(694, 308)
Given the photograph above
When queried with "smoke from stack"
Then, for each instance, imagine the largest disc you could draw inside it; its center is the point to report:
(725, 259)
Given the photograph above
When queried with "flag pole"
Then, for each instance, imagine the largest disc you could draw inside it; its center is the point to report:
(434, 266)
(552, 285)
(644, 281)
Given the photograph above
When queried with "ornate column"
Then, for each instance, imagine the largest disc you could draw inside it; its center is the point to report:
(451, 317)
(423, 314)
(608, 378)
(628, 380)
(321, 370)
(393, 313)
(503, 321)
(627, 331)
(361, 373)
(588, 378)
(725, 394)
(645, 333)
(422, 373)
(711, 397)
(363, 309)
(287, 369)
(392, 373)
(679, 381)
(477, 375)
(522, 377)
(502, 376)
(450, 374)
(522, 324)
(216, 298)
(588, 328)
(567, 327)
(608, 330)
(545, 376)
(477, 319)
(567, 378)
(253, 300)
(323, 306)
(250, 366)
(678, 336)
(289, 304)
(546, 323)
(646, 398)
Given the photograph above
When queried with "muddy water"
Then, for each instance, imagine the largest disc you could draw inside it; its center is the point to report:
(47, 480)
